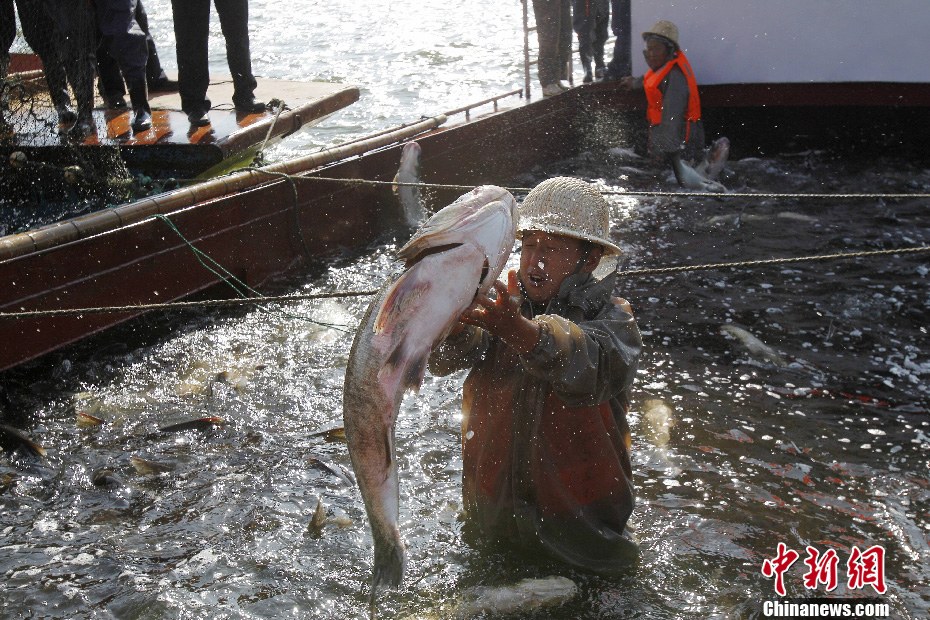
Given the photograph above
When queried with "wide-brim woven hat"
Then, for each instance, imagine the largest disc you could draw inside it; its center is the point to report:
(665, 29)
(569, 207)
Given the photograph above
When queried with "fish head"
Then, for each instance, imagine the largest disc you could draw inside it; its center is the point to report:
(485, 218)
(719, 151)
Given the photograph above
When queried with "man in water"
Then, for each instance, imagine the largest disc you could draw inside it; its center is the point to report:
(545, 440)
(673, 104)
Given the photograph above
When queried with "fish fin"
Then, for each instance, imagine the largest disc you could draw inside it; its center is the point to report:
(414, 366)
(413, 374)
(392, 308)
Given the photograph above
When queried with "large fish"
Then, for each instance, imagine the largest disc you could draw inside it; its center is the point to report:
(690, 178)
(458, 252)
(408, 174)
(715, 160)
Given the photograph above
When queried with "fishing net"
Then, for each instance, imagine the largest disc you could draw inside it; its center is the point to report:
(46, 175)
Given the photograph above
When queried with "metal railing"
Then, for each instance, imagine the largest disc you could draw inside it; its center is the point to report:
(468, 108)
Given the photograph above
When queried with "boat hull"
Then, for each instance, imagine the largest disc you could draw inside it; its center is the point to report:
(259, 227)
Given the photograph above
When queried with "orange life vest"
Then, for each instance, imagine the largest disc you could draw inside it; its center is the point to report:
(651, 81)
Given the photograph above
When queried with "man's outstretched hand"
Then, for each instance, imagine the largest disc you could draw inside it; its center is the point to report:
(501, 316)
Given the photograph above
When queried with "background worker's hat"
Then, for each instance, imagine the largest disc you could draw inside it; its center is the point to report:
(665, 29)
(569, 207)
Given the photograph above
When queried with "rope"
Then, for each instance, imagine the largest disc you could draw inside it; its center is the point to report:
(229, 278)
(342, 294)
(274, 121)
(773, 261)
(525, 190)
(290, 178)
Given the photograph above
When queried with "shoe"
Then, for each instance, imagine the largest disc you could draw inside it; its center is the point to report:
(599, 72)
(163, 85)
(564, 87)
(588, 78)
(142, 121)
(198, 119)
(82, 128)
(551, 89)
(66, 114)
(249, 106)
(610, 76)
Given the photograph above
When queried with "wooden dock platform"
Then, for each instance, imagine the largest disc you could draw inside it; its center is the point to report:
(172, 146)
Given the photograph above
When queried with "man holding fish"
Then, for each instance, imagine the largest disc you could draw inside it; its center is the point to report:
(676, 131)
(552, 359)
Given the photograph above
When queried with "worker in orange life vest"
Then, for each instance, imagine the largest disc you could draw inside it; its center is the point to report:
(674, 107)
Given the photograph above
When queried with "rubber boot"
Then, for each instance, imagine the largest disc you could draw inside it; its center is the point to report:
(142, 113)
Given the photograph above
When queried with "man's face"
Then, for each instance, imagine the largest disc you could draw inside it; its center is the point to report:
(545, 261)
(655, 53)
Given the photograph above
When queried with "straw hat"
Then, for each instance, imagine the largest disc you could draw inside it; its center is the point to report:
(569, 207)
(665, 29)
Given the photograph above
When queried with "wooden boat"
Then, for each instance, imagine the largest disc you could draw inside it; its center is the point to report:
(172, 147)
(259, 224)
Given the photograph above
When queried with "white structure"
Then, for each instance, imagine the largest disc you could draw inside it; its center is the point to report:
(747, 41)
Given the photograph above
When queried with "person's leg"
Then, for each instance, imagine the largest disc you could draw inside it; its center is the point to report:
(7, 35)
(234, 21)
(154, 73)
(547, 33)
(565, 39)
(191, 33)
(582, 22)
(126, 43)
(622, 62)
(76, 25)
(109, 77)
(39, 32)
(599, 33)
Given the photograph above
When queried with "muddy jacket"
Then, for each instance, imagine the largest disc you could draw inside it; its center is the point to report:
(545, 441)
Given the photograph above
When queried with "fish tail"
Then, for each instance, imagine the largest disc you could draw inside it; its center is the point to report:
(390, 559)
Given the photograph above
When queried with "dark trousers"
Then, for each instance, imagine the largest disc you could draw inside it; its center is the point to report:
(111, 78)
(622, 62)
(554, 31)
(589, 20)
(123, 39)
(76, 27)
(191, 32)
(39, 32)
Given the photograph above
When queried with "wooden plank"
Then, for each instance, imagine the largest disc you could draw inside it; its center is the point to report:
(172, 144)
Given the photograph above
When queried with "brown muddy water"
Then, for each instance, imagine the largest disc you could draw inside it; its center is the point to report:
(822, 441)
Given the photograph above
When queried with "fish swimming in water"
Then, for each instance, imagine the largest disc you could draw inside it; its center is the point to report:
(458, 252)
(409, 195)
(12, 439)
(753, 345)
(715, 160)
(149, 468)
(525, 595)
(85, 420)
(690, 178)
(200, 424)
